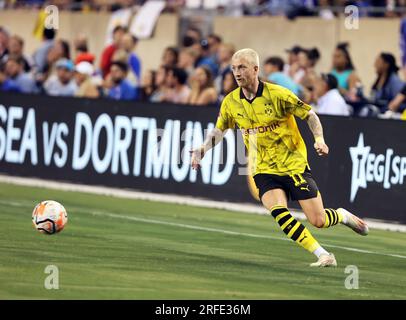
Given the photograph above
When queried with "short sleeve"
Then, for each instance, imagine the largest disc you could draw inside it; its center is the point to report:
(293, 105)
(224, 119)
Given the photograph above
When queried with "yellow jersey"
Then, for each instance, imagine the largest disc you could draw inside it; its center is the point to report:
(268, 127)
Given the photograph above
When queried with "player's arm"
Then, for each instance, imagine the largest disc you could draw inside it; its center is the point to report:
(224, 122)
(212, 139)
(317, 129)
(293, 105)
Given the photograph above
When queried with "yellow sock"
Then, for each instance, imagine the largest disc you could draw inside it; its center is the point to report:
(294, 229)
(333, 217)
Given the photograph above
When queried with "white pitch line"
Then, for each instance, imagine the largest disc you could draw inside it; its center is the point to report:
(169, 198)
(251, 235)
(200, 228)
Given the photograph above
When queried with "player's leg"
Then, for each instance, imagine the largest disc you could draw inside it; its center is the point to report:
(275, 201)
(318, 216)
(325, 218)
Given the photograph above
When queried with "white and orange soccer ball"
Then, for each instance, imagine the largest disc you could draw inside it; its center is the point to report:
(49, 217)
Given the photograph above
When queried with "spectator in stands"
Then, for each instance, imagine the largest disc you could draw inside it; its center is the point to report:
(325, 9)
(205, 58)
(228, 84)
(308, 59)
(224, 53)
(161, 85)
(193, 36)
(83, 77)
(187, 60)
(7, 84)
(16, 49)
(170, 57)
(203, 91)
(214, 41)
(344, 71)
(387, 84)
(398, 104)
(82, 50)
(178, 90)
(4, 38)
(148, 86)
(122, 89)
(329, 99)
(20, 79)
(107, 54)
(273, 69)
(377, 4)
(61, 83)
(300, 8)
(292, 67)
(129, 43)
(41, 54)
(403, 44)
(60, 50)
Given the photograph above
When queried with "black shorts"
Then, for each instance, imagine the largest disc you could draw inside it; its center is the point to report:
(297, 187)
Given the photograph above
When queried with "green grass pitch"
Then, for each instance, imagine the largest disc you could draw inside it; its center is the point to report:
(116, 248)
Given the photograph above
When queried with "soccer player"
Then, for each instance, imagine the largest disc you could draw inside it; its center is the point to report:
(264, 113)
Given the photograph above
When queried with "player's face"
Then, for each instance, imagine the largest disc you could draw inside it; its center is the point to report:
(244, 72)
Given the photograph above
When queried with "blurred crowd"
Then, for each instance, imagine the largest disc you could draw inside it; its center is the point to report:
(197, 72)
(290, 8)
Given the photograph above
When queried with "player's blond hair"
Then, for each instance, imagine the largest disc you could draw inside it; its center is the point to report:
(250, 55)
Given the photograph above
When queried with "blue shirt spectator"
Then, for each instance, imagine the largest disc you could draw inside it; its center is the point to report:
(5, 83)
(62, 83)
(10, 86)
(283, 80)
(209, 62)
(207, 59)
(40, 55)
(122, 88)
(128, 43)
(135, 64)
(18, 78)
(403, 41)
(274, 73)
(388, 84)
(123, 91)
(25, 83)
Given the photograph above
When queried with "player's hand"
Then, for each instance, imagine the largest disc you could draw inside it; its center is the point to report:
(197, 155)
(321, 147)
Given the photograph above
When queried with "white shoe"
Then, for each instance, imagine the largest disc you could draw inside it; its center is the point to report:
(325, 260)
(353, 222)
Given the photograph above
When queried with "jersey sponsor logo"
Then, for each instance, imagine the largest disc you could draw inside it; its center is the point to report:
(260, 129)
(386, 168)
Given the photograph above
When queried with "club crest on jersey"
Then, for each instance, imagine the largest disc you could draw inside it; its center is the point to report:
(268, 109)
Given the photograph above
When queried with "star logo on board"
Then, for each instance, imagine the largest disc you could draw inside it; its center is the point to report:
(359, 155)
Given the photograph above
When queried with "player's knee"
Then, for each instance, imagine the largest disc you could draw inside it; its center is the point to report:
(318, 221)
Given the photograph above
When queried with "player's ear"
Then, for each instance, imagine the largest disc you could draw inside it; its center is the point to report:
(256, 68)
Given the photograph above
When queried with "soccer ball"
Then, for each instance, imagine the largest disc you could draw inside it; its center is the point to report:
(49, 217)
